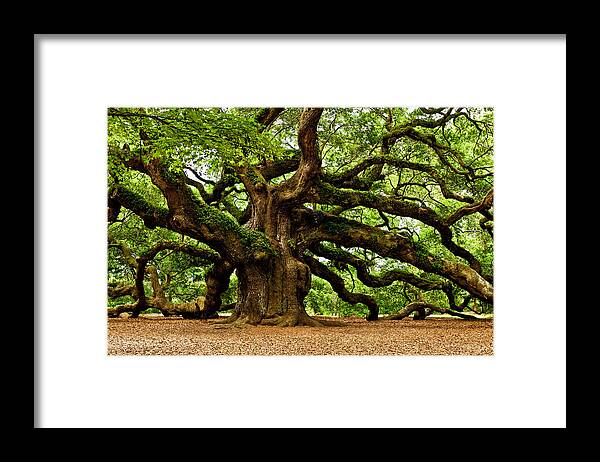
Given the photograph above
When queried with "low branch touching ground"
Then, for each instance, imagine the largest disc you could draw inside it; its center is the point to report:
(421, 307)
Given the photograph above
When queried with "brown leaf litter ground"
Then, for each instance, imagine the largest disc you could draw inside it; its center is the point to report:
(172, 336)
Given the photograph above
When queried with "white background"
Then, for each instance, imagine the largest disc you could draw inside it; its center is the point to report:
(522, 385)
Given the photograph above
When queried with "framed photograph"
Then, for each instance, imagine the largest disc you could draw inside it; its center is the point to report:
(223, 221)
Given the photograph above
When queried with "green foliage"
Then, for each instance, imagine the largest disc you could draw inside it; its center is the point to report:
(184, 272)
(322, 300)
(214, 141)
(211, 136)
(116, 301)
(151, 311)
(230, 295)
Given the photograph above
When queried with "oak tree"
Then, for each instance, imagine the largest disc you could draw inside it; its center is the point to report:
(278, 196)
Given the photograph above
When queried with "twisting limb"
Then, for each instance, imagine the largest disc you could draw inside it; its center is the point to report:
(421, 307)
(140, 267)
(485, 204)
(382, 280)
(342, 179)
(309, 167)
(267, 116)
(115, 311)
(328, 194)
(120, 290)
(142, 303)
(337, 283)
(351, 233)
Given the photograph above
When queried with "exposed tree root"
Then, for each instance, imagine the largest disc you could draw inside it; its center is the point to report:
(299, 318)
(235, 320)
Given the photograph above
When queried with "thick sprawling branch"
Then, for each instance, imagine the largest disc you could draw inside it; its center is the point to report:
(347, 198)
(115, 311)
(189, 216)
(295, 189)
(268, 115)
(204, 254)
(342, 179)
(423, 308)
(444, 119)
(384, 279)
(199, 187)
(120, 290)
(485, 204)
(443, 152)
(273, 169)
(350, 233)
(140, 265)
(152, 215)
(337, 283)
(207, 255)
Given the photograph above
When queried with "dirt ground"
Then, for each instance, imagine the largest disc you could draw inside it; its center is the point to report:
(433, 336)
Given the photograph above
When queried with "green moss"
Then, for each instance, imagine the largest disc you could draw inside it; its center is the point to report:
(255, 177)
(213, 217)
(254, 241)
(341, 196)
(150, 311)
(332, 193)
(336, 253)
(426, 260)
(336, 226)
(138, 204)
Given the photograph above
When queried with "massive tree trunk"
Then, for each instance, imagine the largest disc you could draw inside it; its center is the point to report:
(272, 285)
(271, 290)
(273, 244)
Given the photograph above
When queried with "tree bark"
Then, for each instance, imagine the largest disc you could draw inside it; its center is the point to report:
(217, 282)
(423, 309)
(271, 290)
(120, 290)
(351, 233)
(337, 284)
(272, 286)
(267, 252)
(273, 293)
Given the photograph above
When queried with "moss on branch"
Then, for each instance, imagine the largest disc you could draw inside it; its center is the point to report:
(256, 243)
(151, 214)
